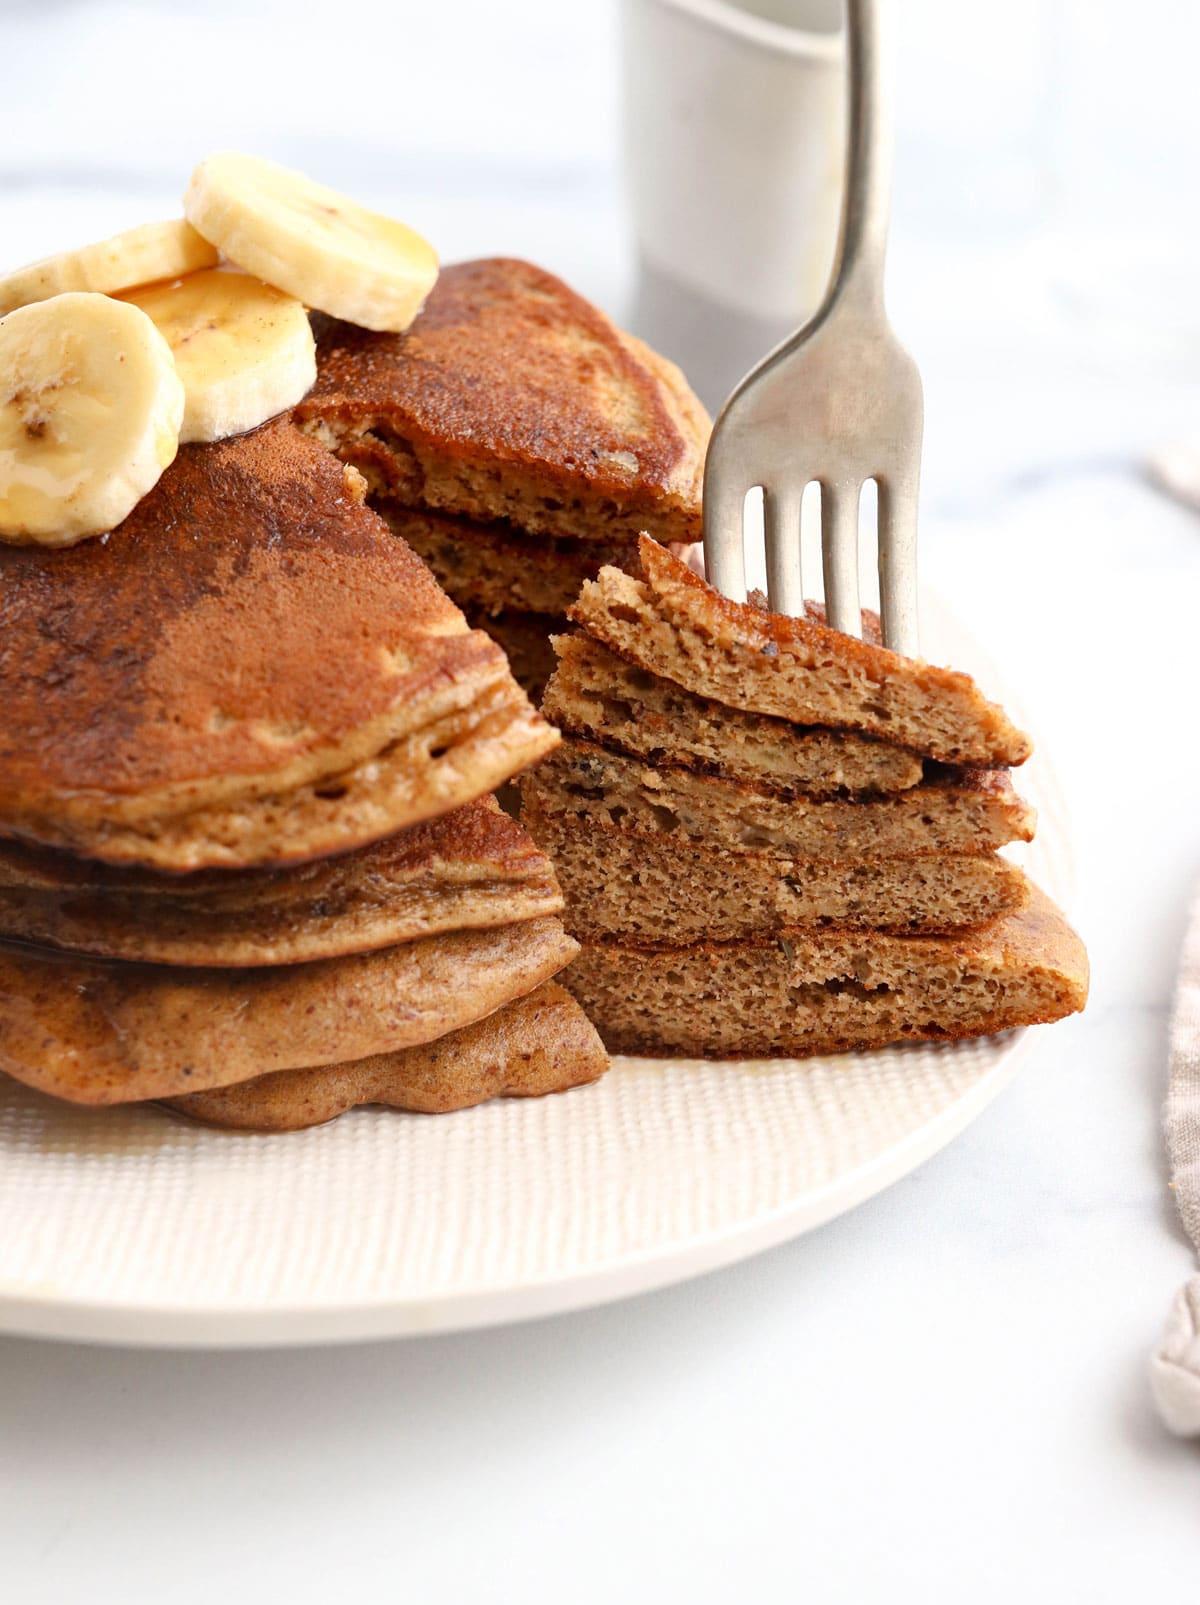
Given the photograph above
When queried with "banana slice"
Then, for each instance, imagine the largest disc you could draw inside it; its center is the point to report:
(310, 241)
(153, 251)
(90, 409)
(243, 350)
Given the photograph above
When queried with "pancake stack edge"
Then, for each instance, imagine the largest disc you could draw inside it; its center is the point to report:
(249, 863)
(777, 840)
(518, 441)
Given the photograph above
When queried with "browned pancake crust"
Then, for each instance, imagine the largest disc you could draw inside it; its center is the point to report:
(541, 1044)
(810, 992)
(251, 626)
(99, 1033)
(470, 869)
(512, 397)
(675, 625)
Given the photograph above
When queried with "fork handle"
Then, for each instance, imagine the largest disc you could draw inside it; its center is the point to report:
(867, 203)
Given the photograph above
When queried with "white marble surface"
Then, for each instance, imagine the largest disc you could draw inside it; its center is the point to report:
(942, 1395)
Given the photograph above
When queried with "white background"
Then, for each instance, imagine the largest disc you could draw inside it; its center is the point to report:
(943, 1395)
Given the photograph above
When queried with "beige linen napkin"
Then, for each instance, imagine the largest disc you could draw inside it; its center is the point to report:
(1175, 468)
(1175, 1368)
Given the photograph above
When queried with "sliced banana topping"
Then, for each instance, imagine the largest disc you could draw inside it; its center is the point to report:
(90, 410)
(243, 350)
(325, 250)
(139, 256)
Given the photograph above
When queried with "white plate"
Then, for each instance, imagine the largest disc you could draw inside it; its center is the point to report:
(127, 1226)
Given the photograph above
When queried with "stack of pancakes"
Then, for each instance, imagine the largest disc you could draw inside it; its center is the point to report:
(776, 839)
(249, 863)
(517, 440)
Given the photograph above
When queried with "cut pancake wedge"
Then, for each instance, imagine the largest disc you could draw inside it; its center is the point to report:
(602, 697)
(957, 811)
(540, 1044)
(671, 891)
(675, 625)
(807, 992)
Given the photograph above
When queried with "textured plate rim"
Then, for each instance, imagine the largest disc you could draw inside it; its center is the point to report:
(242, 1325)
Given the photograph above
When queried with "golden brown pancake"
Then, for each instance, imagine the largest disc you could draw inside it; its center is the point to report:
(597, 695)
(97, 1033)
(542, 1043)
(953, 810)
(415, 777)
(676, 626)
(672, 890)
(249, 631)
(808, 992)
(511, 397)
(473, 868)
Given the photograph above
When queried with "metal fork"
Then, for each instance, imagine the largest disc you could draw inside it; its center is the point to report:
(839, 402)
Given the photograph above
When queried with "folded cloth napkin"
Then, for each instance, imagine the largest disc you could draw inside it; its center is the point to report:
(1175, 1368)
(1175, 468)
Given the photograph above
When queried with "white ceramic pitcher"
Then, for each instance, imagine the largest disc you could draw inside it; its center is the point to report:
(734, 133)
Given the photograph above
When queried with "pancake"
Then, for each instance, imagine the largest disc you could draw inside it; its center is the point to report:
(249, 631)
(595, 694)
(812, 992)
(672, 891)
(513, 398)
(415, 777)
(954, 810)
(99, 1033)
(675, 625)
(542, 1043)
(471, 869)
(489, 568)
